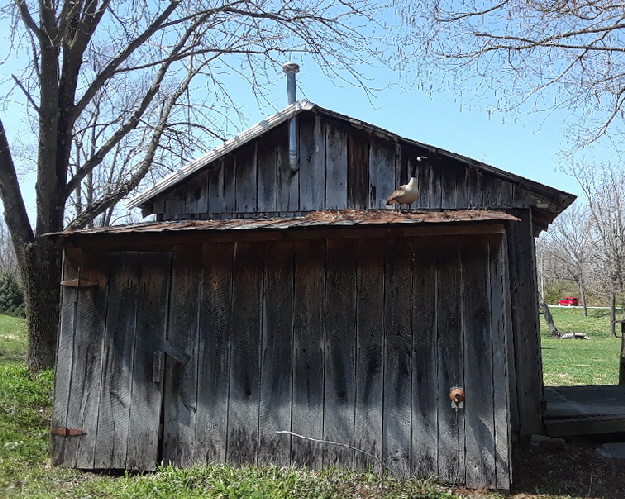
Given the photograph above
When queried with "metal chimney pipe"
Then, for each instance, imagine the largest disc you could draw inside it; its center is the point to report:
(291, 69)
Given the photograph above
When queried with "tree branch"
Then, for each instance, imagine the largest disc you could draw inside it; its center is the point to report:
(112, 198)
(26, 93)
(15, 214)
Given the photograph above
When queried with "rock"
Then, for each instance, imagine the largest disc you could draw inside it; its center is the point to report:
(547, 442)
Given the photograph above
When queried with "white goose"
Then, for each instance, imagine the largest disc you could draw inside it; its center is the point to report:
(406, 194)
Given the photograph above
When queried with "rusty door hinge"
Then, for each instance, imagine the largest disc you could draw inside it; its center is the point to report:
(79, 283)
(67, 432)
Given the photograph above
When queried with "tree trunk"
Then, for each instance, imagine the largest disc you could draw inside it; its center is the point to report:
(555, 333)
(41, 277)
(613, 316)
(582, 294)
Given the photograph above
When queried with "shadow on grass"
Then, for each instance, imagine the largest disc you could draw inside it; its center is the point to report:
(575, 470)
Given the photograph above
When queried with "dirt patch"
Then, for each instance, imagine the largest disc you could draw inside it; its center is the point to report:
(575, 470)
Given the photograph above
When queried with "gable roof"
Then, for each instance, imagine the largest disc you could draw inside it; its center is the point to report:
(559, 200)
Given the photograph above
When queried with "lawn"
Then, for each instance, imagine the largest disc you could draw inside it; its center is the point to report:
(580, 362)
(25, 404)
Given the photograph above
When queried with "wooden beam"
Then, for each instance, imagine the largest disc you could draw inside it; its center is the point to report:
(568, 427)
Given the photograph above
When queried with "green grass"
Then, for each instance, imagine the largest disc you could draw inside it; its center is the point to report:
(580, 362)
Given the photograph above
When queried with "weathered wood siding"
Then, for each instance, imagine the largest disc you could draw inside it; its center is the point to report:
(340, 167)
(356, 341)
(110, 338)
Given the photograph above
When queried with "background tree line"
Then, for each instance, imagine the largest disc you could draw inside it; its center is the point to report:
(583, 252)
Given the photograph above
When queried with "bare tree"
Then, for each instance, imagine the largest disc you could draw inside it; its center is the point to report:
(569, 246)
(553, 54)
(127, 73)
(604, 188)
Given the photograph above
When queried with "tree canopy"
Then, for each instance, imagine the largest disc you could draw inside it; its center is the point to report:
(548, 54)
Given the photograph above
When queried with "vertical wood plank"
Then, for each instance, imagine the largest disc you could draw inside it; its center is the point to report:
(506, 194)
(340, 334)
(64, 356)
(336, 168)
(425, 391)
(478, 366)
(277, 350)
(267, 175)
(197, 193)
(475, 194)
(246, 327)
(216, 188)
(181, 377)
(432, 189)
(175, 201)
(86, 376)
(246, 193)
(491, 187)
(214, 352)
(461, 201)
(452, 185)
(398, 355)
(369, 355)
(500, 326)
(288, 180)
(449, 343)
(308, 346)
(158, 205)
(147, 396)
(312, 166)
(381, 173)
(117, 361)
(357, 171)
(525, 347)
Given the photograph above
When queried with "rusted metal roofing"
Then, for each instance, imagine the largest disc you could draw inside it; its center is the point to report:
(326, 218)
(140, 200)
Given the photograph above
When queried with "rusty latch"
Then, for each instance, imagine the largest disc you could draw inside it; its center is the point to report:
(67, 432)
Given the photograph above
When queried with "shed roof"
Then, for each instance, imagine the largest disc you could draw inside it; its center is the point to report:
(557, 197)
(277, 228)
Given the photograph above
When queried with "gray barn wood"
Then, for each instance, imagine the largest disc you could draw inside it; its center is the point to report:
(265, 305)
(295, 323)
(348, 164)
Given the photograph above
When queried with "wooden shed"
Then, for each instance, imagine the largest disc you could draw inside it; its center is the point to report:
(275, 307)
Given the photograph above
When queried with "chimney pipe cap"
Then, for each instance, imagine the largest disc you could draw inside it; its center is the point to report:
(290, 67)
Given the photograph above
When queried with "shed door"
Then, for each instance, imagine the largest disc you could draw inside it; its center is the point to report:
(108, 384)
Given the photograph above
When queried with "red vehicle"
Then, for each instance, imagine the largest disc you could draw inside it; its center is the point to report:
(569, 301)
